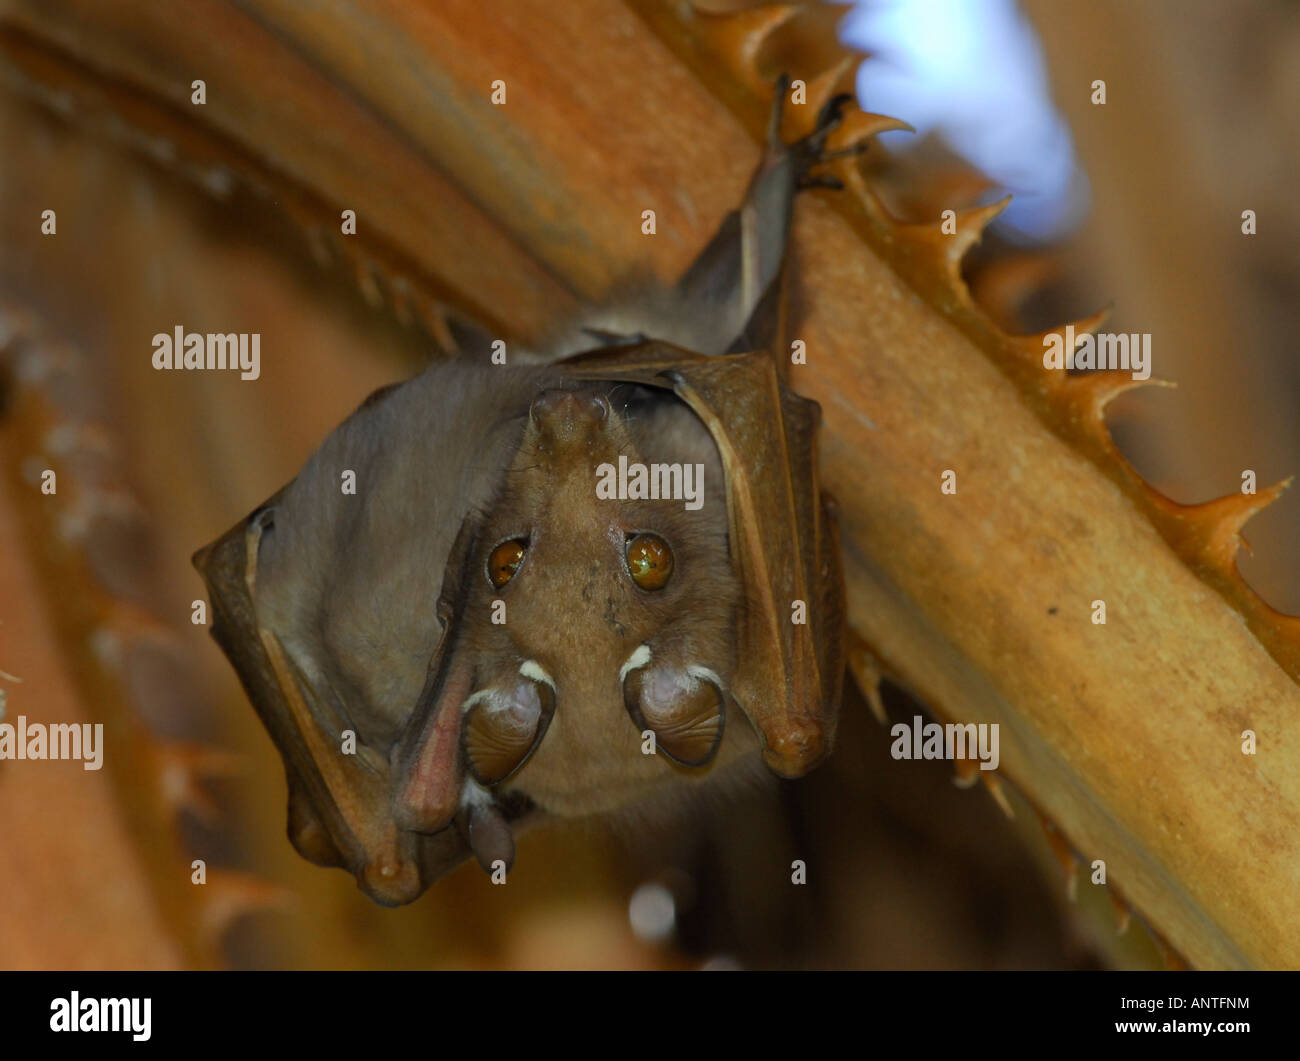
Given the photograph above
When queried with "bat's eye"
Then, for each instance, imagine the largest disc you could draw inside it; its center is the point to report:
(649, 561)
(505, 561)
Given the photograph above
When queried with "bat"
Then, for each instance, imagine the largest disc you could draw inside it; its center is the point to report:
(557, 587)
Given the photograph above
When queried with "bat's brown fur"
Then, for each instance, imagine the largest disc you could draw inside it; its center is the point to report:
(574, 609)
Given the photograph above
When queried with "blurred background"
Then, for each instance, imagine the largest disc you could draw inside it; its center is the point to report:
(1136, 203)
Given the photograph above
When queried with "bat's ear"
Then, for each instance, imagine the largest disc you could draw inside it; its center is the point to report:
(504, 725)
(683, 706)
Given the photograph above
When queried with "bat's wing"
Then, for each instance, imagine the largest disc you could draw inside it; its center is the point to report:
(784, 540)
(339, 805)
(383, 812)
(344, 806)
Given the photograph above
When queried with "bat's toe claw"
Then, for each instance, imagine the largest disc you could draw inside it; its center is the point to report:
(829, 118)
(820, 180)
(810, 151)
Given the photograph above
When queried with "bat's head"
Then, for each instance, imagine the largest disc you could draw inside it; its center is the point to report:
(597, 616)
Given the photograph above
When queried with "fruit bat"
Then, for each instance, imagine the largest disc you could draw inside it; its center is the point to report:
(554, 587)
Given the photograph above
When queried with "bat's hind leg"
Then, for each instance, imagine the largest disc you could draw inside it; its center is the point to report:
(735, 282)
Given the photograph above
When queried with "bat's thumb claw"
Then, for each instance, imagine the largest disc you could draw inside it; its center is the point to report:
(391, 880)
(794, 748)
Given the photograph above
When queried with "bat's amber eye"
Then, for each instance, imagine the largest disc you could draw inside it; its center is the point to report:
(649, 561)
(505, 561)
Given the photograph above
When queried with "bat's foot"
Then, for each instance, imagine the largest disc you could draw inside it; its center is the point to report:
(809, 151)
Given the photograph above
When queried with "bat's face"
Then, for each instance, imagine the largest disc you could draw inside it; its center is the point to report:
(598, 637)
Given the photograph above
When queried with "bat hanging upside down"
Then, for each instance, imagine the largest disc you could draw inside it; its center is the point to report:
(555, 587)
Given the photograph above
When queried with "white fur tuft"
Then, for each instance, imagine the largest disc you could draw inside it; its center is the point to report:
(639, 658)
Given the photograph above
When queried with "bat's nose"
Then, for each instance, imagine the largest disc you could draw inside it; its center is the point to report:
(568, 417)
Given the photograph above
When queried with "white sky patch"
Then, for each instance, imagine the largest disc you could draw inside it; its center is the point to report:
(972, 71)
